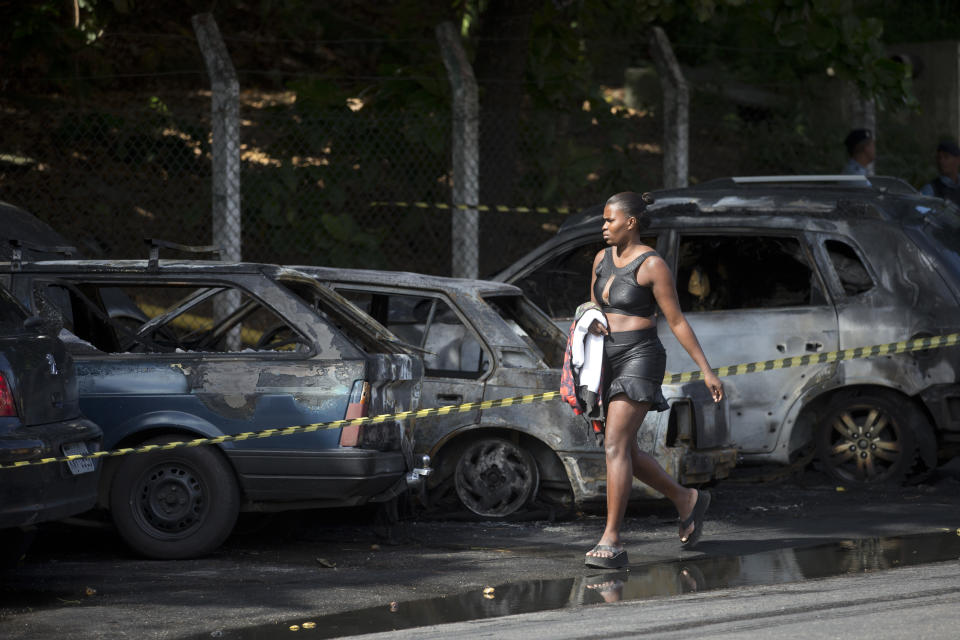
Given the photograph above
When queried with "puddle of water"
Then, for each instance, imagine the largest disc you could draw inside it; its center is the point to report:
(674, 577)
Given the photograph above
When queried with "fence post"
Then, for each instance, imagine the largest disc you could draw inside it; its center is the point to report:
(465, 237)
(676, 111)
(225, 121)
(225, 116)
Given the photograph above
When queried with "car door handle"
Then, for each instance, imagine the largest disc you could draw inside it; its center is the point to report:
(446, 399)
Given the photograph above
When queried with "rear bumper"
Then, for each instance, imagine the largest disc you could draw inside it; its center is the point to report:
(708, 464)
(587, 471)
(331, 477)
(34, 494)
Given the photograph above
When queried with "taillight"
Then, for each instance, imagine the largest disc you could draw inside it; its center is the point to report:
(358, 407)
(7, 407)
(359, 400)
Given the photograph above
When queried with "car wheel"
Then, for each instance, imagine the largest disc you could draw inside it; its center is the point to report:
(495, 477)
(180, 503)
(868, 438)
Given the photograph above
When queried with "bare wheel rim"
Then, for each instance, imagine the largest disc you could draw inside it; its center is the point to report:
(494, 478)
(865, 444)
(170, 501)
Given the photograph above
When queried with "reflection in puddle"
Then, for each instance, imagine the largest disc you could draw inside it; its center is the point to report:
(641, 582)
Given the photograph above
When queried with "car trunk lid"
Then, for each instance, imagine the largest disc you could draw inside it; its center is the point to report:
(39, 374)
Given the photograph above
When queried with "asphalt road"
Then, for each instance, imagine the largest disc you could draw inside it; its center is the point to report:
(916, 602)
(326, 566)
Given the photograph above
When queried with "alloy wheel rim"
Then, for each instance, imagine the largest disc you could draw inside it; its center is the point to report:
(865, 444)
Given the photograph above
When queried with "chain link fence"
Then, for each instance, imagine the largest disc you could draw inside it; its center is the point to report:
(349, 189)
(365, 189)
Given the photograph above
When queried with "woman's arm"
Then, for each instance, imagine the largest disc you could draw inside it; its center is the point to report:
(665, 292)
(596, 327)
(593, 275)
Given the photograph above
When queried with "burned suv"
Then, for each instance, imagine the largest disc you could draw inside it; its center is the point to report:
(175, 350)
(773, 267)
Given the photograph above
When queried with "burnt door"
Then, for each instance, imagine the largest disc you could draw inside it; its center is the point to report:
(751, 297)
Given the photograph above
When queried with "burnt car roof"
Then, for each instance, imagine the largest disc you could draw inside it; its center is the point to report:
(807, 196)
(143, 266)
(410, 279)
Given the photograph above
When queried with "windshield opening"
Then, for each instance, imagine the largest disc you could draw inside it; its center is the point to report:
(532, 326)
(368, 334)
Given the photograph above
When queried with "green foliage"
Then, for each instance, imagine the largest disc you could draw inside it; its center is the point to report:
(785, 41)
(282, 204)
(572, 148)
(319, 94)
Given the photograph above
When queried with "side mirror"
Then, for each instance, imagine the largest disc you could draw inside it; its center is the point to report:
(33, 322)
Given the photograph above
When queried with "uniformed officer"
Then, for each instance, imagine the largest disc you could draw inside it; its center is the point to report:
(861, 152)
(946, 185)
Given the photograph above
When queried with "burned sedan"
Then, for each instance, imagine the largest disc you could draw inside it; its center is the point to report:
(485, 340)
(176, 350)
(772, 267)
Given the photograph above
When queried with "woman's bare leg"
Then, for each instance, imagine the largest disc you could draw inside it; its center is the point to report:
(625, 461)
(648, 471)
(623, 419)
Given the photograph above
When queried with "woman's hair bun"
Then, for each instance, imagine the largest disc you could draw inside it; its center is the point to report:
(648, 197)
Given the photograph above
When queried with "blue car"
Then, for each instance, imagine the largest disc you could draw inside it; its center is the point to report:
(177, 350)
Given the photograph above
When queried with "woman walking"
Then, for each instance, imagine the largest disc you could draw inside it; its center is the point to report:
(630, 281)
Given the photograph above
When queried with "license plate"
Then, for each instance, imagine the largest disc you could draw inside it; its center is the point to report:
(78, 466)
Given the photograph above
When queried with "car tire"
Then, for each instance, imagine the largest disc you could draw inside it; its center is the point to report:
(869, 437)
(495, 477)
(174, 504)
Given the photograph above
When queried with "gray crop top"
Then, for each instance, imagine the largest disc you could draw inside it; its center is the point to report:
(626, 296)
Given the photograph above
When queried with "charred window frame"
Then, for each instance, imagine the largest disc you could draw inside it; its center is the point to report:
(744, 270)
(450, 347)
(849, 267)
(79, 310)
(134, 316)
(536, 330)
(361, 327)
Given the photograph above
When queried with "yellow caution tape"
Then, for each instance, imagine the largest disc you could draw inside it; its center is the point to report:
(891, 348)
(500, 208)
(306, 428)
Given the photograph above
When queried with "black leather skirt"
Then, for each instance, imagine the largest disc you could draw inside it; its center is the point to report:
(635, 362)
